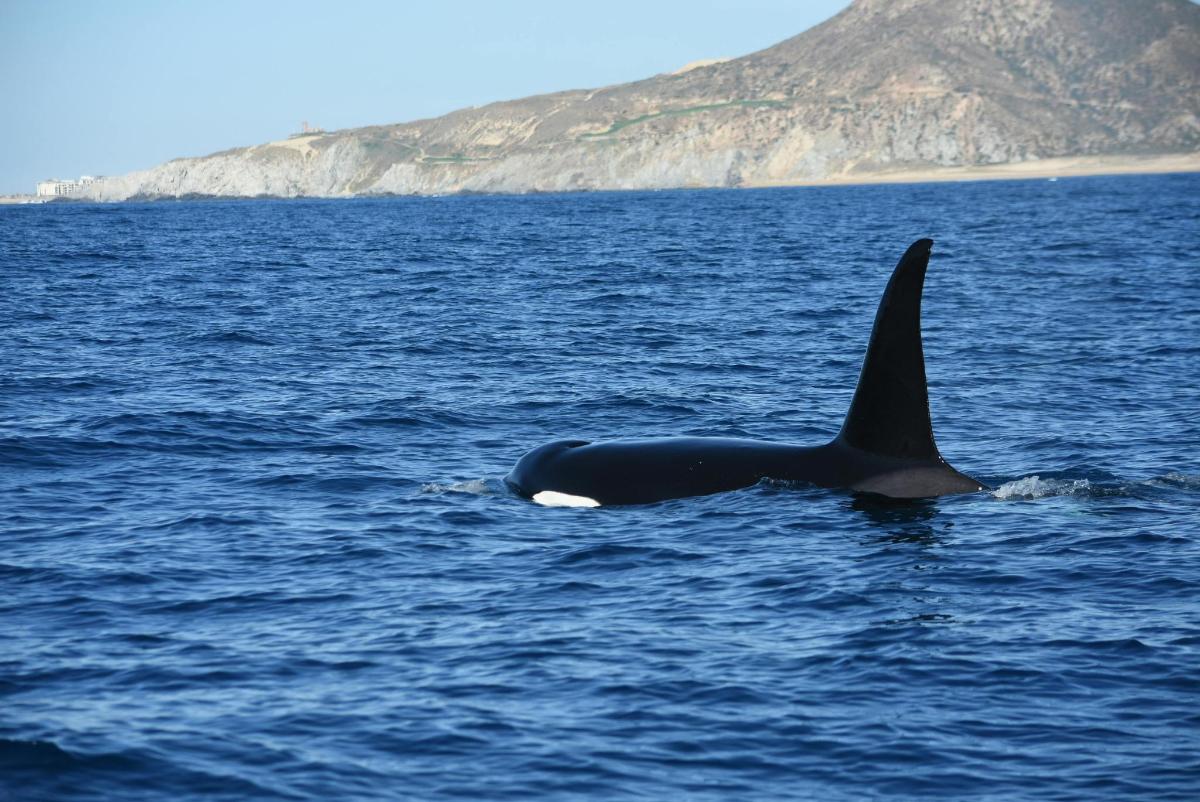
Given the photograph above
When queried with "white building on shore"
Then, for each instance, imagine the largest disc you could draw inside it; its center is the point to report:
(56, 188)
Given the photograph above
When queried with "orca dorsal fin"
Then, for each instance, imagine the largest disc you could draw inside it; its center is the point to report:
(889, 415)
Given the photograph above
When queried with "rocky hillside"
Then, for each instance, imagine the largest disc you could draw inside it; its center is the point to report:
(886, 85)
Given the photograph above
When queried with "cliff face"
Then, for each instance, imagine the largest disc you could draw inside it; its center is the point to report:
(886, 85)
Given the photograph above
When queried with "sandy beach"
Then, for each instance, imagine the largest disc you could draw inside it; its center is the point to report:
(1041, 168)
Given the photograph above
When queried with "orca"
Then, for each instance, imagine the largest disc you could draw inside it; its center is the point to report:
(885, 446)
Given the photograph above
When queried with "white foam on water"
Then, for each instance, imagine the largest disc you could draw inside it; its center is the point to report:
(476, 487)
(1036, 487)
(552, 498)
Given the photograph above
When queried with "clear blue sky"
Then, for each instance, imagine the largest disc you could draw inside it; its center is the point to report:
(103, 88)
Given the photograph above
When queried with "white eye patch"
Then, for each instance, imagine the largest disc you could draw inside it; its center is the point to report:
(552, 498)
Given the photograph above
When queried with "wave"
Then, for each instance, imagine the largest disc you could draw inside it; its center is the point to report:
(616, 555)
(340, 483)
(18, 754)
(234, 337)
(44, 770)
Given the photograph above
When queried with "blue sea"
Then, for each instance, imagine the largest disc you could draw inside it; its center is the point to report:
(257, 545)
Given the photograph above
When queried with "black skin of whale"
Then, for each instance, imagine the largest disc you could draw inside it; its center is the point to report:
(885, 446)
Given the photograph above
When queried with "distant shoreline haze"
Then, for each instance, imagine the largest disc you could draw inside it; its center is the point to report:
(1005, 89)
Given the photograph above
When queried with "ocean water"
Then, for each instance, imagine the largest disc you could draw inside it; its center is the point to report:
(256, 543)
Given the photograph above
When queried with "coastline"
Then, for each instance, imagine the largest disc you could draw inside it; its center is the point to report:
(1058, 167)
(22, 200)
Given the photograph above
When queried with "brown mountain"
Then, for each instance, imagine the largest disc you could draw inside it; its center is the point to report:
(887, 86)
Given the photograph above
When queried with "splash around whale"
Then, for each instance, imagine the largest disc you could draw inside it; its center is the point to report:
(885, 446)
